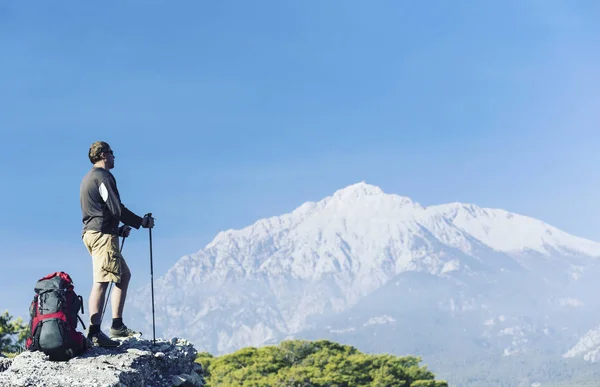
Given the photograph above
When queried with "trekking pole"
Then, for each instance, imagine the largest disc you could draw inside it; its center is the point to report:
(110, 288)
(152, 283)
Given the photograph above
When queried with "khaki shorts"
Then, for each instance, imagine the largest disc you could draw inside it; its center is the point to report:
(107, 262)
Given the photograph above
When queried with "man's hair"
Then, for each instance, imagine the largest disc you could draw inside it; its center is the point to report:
(96, 149)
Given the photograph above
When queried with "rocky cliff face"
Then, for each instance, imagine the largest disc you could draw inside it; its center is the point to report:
(135, 363)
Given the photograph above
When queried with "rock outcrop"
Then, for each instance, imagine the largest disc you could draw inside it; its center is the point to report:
(4, 363)
(135, 362)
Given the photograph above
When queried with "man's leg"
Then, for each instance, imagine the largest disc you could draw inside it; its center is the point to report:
(118, 329)
(104, 271)
(119, 296)
(96, 301)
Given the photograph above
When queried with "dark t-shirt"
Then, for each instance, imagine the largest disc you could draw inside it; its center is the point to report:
(101, 205)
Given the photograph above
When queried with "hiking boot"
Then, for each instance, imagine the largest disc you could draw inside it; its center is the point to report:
(123, 332)
(101, 340)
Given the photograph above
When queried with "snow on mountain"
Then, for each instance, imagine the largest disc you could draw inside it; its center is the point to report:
(278, 276)
(588, 347)
(380, 320)
(569, 301)
(509, 232)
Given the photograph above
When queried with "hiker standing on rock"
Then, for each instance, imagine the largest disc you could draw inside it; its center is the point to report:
(102, 212)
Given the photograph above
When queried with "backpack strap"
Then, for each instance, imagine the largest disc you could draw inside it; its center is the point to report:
(80, 320)
(82, 312)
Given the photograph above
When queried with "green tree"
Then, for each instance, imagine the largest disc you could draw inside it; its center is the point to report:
(429, 383)
(297, 363)
(12, 333)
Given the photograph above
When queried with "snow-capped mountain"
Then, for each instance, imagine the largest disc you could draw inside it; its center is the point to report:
(363, 263)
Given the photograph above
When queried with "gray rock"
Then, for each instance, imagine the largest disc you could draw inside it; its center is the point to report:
(195, 379)
(198, 368)
(177, 380)
(4, 363)
(136, 362)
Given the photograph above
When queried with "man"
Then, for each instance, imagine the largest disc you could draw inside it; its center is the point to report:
(102, 212)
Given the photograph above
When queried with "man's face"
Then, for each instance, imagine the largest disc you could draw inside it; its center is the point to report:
(110, 158)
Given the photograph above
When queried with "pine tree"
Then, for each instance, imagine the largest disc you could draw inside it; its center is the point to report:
(12, 333)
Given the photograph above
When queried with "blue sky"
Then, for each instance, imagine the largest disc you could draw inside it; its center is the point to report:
(222, 113)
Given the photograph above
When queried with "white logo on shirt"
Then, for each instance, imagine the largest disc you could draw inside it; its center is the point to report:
(103, 192)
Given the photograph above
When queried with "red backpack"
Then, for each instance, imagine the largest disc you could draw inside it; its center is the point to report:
(54, 314)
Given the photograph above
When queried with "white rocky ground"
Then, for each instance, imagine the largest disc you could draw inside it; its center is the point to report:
(135, 362)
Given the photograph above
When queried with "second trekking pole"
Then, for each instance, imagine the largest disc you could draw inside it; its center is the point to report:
(152, 283)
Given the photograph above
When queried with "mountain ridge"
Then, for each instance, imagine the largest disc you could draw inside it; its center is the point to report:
(284, 275)
(458, 212)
